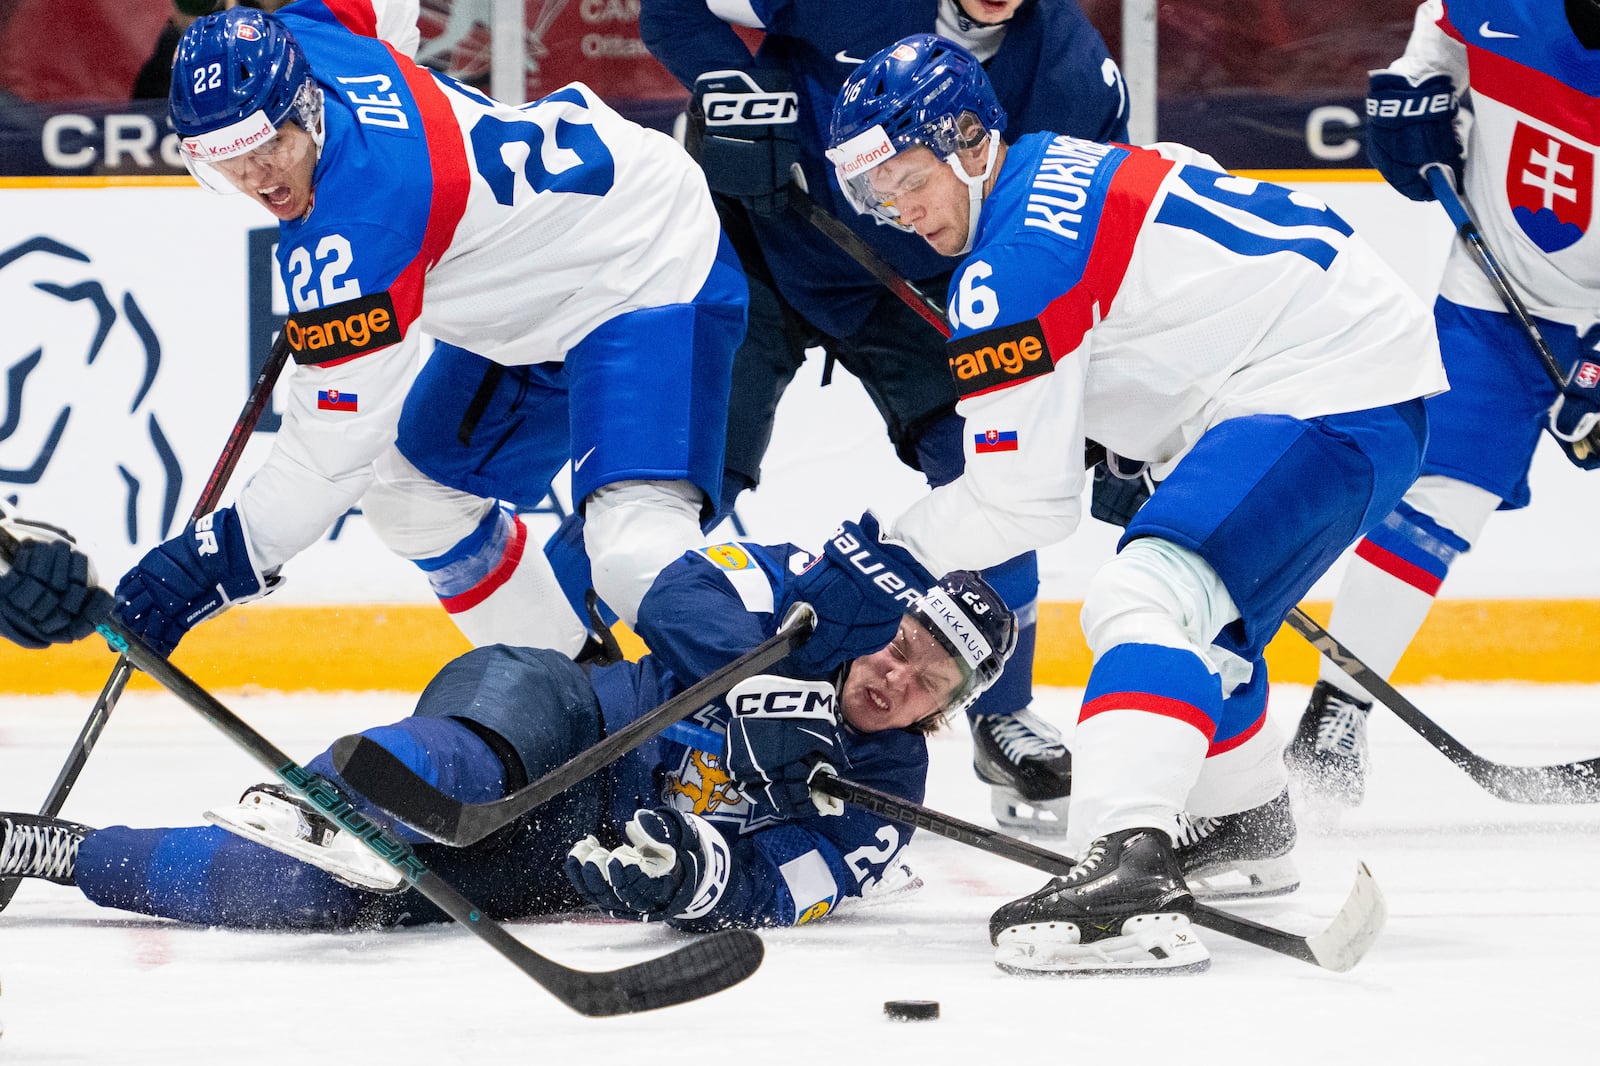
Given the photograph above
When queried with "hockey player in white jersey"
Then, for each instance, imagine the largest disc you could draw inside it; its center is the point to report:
(1530, 165)
(569, 264)
(1236, 335)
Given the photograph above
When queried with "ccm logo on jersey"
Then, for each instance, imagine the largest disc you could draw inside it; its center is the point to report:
(329, 334)
(999, 357)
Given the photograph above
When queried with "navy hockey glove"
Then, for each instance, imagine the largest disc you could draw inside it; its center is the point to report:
(859, 586)
(189, 578)
(782, 732)
(1121, 487)
(48, 594)
(674, 865)
(1410, 126)
(1575, 416)
(748, 145)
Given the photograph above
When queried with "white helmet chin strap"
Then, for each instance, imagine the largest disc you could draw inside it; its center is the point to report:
(974, 185)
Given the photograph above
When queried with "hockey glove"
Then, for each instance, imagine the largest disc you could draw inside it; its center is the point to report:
(674, 865)
(859, 586)
(179, 583)
(1410, 126)
(748, 145)
(1575, 416)
(49, 593)
(1121, 487)
(782, 732)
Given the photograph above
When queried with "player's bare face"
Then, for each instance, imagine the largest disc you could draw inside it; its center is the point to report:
(900, 685)
(928, 196)
(989, 11)
(276, 175)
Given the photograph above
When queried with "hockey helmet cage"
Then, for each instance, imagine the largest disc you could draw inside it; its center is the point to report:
(237, 77)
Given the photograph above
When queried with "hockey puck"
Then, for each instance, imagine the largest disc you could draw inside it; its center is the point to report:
(911, 1010)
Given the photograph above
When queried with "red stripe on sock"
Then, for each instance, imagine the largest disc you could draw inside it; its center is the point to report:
(1398, 568)
(498, 576)
(1150, 703)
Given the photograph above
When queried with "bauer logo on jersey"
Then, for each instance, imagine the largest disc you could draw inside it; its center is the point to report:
(334, 400)
(996, 358)
(994, 440)
(345, 330)
(1549, 187)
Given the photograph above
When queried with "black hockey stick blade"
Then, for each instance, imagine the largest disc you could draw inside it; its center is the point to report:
(699, 968)
(1338, 947)
(1573, 782)
(370, 769)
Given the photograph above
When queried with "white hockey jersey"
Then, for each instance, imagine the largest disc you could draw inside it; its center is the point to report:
(1139, 297)
(1531, 150)
(511, 232)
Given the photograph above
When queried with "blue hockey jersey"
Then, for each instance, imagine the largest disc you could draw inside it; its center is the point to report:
(1052, 72)
(708, 608)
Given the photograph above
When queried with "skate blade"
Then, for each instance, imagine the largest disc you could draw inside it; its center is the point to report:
(1046, 818)
(363, 872)
(1254, 879)
(1149, 945)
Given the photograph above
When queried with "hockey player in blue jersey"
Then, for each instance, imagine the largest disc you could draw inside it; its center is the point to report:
(569, 265)
(1530, 168)
(1051, 71)
(1238, 336)
(672, 831)
(48, 590)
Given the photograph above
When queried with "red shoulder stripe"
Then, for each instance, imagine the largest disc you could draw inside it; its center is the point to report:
(1127, 202)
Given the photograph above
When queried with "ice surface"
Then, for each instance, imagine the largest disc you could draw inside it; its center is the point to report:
(1488, 956)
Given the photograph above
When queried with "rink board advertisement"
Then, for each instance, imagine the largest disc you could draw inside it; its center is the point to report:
(137, 316)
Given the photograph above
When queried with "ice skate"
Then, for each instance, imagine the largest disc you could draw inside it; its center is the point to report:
(1027, 767)
(1123, 910)
(275, 818)
(1240, 856)
(1328, 754)
(34, 846)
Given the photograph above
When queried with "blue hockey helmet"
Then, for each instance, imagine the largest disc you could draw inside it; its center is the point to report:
(922, 90)
(972, 623)
(237, 77)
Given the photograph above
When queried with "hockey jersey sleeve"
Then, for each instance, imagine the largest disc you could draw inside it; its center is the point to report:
(713, 604)
(1431, 50)
(393, 21)
(691, 37)
(798, 871)
(1021, 384)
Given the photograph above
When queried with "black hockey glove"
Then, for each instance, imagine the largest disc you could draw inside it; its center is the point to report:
(1575, 416)
(748, 145)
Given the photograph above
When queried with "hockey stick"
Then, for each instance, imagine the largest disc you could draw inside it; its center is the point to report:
(370, 769)
(1338, 947)
(1573, 782)
(111, 692)
(1459, 209)
(857, 249)
(706, 965)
